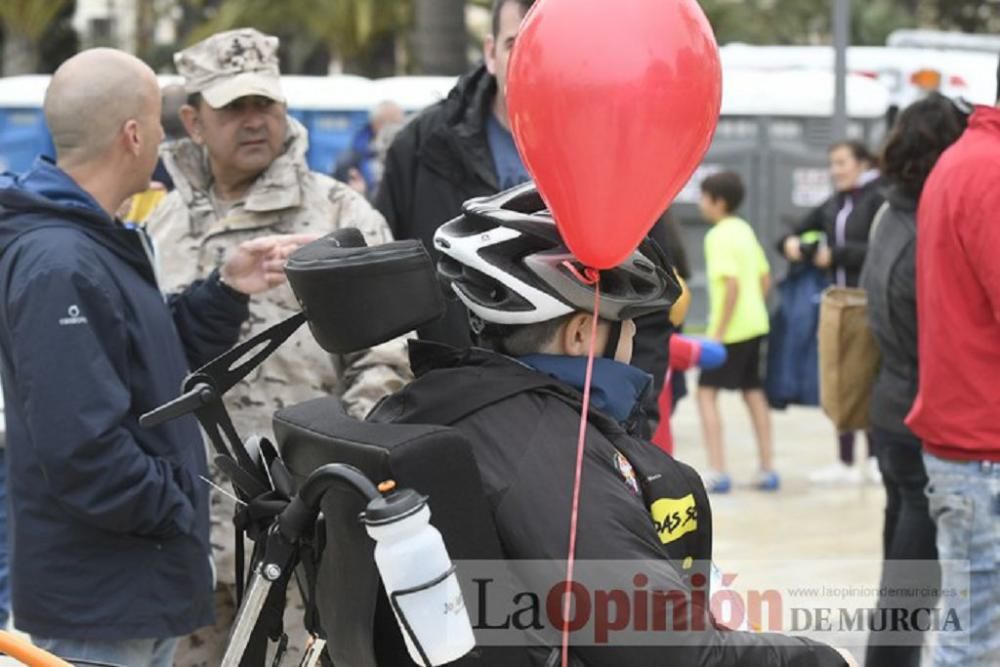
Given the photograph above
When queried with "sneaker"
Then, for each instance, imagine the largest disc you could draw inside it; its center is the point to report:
(718, 482)
(838, 474)
(873, 474)
(767, 480)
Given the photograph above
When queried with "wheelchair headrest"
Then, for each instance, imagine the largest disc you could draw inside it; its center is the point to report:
(355, 296)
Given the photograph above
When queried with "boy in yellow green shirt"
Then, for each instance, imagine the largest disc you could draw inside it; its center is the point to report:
(738, 281)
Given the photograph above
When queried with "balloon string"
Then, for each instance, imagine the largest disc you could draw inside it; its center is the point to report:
(593, 278)
(588, 277)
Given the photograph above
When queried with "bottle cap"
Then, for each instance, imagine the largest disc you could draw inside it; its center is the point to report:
(393, 507)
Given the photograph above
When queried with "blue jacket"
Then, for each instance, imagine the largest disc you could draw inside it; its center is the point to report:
(792, 349)
(109, 522)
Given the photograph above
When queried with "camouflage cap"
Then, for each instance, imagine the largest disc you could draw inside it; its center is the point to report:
(232, 64)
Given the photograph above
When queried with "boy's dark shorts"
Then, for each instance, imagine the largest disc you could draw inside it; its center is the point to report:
(741, 370)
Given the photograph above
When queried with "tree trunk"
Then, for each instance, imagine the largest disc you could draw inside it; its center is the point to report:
(440, 41)
(20, 55)
(145, 29)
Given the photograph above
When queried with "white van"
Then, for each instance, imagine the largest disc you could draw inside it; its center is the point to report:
(906, 73)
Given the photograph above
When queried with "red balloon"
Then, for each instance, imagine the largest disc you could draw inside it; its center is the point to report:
(612, 105)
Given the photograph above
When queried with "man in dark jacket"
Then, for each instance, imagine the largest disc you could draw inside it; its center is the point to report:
(462, 147)
(519, 405)
(110, 553)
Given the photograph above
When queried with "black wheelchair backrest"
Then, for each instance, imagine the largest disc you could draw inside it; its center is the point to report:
(435, 461)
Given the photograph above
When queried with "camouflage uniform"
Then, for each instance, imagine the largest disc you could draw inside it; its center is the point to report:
(193, 232)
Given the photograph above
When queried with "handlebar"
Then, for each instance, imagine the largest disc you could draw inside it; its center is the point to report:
(301, 512)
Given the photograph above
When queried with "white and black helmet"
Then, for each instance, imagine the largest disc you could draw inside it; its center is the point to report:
(506, 261)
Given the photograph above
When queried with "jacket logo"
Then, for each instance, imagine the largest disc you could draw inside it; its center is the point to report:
(74, 317)
(674, 517)
(627, 472)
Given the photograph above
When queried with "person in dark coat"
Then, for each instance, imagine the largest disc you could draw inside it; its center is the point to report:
(462, 147)
(459, 148)
(923, 131)
(517, 399)
(110, 552)
(846, 220)
(846, 217)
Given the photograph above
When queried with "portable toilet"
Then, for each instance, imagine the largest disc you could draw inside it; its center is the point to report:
(333, 109)
(775, 129)
(23, 134)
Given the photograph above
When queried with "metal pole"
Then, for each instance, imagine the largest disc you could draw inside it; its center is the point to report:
(841, 39)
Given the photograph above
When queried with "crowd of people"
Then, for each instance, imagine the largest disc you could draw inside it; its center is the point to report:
(121, 538)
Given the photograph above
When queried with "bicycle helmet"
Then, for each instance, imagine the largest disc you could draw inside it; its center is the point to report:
(505, 260)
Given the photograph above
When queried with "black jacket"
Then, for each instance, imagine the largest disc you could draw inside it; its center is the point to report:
(890, 279)
(667, 233)
(437, 162)
(849, 255)
(109, 536)
(524, 445)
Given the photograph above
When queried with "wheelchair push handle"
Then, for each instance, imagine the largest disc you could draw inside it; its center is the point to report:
(301, 513)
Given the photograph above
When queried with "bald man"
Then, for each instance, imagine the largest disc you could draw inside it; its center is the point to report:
(110, 533)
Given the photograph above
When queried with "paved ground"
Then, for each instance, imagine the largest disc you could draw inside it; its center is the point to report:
(801, 534)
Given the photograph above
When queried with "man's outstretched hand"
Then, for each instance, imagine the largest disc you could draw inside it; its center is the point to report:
(259, 264)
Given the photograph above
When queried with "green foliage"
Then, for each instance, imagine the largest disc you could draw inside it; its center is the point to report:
(346, 27)
(966, 15)
(30, 18)
(801, 21)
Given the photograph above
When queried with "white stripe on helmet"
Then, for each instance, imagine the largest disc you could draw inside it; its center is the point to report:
(465, 250)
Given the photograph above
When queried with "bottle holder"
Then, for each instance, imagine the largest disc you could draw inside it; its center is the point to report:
(394, 598)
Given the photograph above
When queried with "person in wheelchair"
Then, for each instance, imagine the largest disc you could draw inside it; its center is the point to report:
(517, 397)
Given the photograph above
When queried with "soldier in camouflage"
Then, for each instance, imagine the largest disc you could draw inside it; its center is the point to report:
(242, 173)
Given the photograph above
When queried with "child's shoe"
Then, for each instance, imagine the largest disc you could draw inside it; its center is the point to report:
(717, 482)
(768, 480)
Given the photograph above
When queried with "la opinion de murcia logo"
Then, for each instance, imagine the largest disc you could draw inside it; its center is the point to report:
(74, 317)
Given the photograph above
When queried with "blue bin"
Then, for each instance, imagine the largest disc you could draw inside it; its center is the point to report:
(330, 134)
(23, 136)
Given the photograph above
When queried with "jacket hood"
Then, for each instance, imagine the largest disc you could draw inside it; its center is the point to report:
(462, 136)
(470, 100)
(617, 388)
(46, 196)
(901, 200)
(46, 186)
(278, 186)
(449, 375)
(47, 190)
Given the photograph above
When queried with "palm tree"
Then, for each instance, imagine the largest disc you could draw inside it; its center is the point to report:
(440, 41)
(347, 28)
(24, 22)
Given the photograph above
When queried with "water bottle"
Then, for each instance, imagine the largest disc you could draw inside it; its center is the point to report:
(414, 564)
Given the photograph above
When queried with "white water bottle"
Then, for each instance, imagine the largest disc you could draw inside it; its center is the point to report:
(415, 566)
